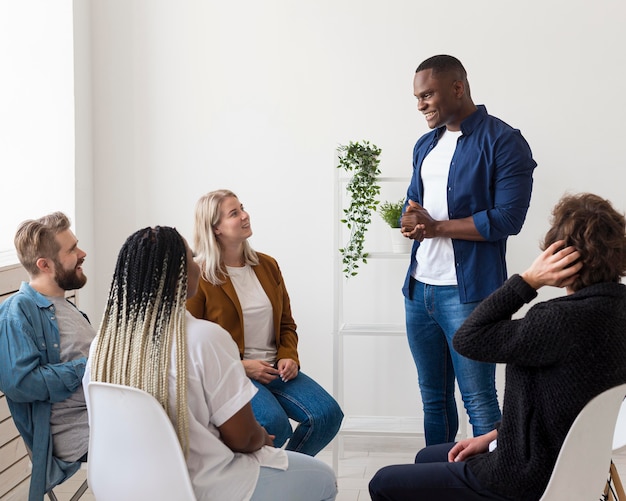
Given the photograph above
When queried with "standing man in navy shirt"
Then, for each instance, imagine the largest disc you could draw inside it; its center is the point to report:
(470, 190)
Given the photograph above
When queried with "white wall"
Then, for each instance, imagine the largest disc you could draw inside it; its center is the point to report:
(36, 114)
(186, 96)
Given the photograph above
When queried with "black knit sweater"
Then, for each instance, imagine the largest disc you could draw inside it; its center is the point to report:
(559, 356)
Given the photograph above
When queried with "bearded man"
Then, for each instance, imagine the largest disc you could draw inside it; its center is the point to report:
(44, 343)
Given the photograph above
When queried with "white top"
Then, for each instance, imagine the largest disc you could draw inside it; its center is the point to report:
(435, 256)
(258, 319)
(217, 389)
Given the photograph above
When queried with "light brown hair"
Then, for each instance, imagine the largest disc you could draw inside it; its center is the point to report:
(36, 238)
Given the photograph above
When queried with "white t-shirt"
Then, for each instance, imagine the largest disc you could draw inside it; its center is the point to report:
(435, 256)
(258, 315)
(217, 389)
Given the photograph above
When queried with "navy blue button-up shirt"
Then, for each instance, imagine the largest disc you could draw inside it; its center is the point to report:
(490, 180)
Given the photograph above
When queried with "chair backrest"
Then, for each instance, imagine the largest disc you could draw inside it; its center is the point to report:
(134, 452)
(619, 437)
(582, 467)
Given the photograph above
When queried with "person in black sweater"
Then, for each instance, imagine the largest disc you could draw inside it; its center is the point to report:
(560, 355)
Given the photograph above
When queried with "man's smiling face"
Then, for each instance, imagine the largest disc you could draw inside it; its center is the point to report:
(438, 98)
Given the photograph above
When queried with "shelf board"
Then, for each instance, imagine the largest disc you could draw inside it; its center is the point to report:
(372, 330)
(380, 179)
(388, 255)
(400, 426)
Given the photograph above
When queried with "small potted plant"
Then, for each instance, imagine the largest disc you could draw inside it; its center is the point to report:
(391, 212)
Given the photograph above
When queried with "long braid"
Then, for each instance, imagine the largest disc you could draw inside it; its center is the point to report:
(145, 314)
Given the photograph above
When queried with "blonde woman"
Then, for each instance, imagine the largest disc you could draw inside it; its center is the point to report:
(147, 340)
(244, 292)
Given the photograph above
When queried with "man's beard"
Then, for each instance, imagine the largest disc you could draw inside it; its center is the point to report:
(68, 280)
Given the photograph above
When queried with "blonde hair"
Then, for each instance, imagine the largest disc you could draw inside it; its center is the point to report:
(145, 313)
(206, 245)
(36, 238)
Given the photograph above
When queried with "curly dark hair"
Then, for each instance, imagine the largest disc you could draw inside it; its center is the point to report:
(591, 225)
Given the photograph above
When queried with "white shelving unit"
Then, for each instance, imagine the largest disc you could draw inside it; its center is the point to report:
(359, 425)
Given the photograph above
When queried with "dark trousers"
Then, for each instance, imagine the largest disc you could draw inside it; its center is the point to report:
(432, 477)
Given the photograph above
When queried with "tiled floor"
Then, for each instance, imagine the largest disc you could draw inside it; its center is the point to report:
(361, 459)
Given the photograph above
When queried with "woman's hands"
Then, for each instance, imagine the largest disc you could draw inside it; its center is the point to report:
(555, 266)
(265, 373)
(471, 446)
(287, 368)
(260, 371)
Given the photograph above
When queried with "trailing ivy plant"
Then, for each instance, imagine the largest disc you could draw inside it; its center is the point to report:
(360, 160)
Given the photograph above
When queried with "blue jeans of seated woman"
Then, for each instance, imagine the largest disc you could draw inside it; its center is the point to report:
(433, 315)
(317, 413)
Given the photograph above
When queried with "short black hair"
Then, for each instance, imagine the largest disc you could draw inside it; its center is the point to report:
(444, 64)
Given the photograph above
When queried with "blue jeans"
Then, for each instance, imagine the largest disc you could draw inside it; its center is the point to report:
(306, 479)
(317, 413)
(431, 477)
(433, 315)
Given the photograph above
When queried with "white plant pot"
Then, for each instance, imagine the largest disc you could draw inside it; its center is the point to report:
(399, 243)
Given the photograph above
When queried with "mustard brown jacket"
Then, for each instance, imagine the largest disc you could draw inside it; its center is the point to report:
(220, 304)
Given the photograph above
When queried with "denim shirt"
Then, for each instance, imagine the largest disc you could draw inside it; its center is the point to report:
(33, 378)
(491, 180)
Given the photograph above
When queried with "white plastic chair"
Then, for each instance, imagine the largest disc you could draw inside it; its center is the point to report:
(134, 452)
(615, 490)
(619, 437)
(582, 467)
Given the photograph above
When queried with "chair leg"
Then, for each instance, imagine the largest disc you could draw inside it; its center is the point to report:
(77, 495)
(617, 482)
(81, 490)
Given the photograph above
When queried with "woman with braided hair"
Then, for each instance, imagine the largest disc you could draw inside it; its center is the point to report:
(148, 340)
